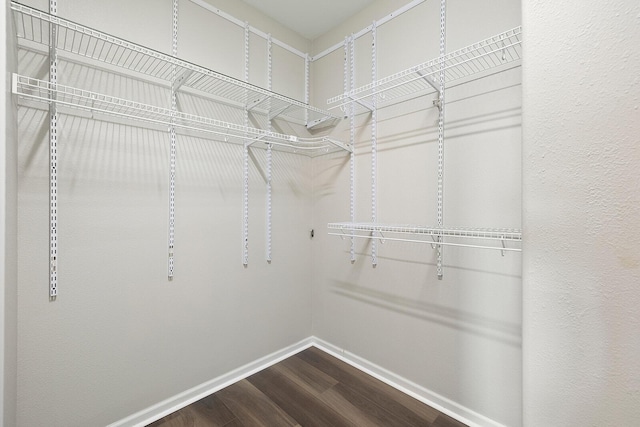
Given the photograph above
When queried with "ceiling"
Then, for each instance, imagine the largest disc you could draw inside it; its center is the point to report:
(309, 18)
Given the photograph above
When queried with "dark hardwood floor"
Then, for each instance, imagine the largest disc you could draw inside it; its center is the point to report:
(309, 389)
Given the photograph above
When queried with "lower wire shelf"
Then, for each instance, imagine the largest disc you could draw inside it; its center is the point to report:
(503, 239)
(43, 91)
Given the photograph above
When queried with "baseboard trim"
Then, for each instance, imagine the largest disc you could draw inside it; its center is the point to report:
(435, 400)
(179, 401)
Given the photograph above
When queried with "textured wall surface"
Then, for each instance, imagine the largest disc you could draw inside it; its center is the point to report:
(581, 190)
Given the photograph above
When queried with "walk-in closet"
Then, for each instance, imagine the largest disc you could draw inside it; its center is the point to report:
(320, 213)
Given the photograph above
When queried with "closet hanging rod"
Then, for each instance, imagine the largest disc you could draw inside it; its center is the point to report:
(44, 91)
(32, 27)
(477, 233)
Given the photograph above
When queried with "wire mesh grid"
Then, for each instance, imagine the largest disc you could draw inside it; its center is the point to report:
(40, 90)
(488, 54)
(505, 234)
(33, 25)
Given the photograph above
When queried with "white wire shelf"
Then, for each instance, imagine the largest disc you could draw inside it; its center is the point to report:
(32, 25)
(44, 91)
(494, 53)
(430, 235)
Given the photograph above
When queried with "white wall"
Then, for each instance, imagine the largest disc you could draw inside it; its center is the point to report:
(581, 264)
(8, 229)
(121, 337)
(458, 339)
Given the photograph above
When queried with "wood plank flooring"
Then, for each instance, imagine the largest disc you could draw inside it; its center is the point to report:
(309, 389)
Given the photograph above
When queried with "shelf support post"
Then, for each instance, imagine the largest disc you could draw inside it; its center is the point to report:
(441, 76)
(245, 161)
(269, 147)
(307, 90)
(349, 83)
(374, 143)
(172, 137)
(53, 157)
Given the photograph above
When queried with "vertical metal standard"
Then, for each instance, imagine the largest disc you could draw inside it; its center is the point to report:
(53, 157)
(269, 157)
(307, 88)
(352, 141)
(374, 143)
(245, 161)
(172, 137)
(350, 84)
(441, 136)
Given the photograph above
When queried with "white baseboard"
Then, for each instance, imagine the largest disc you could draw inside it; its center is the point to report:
(186, 398)
(441, 403)
(179, 401)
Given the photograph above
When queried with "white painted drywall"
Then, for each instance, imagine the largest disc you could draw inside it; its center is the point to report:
(452, 337)
(459, 338)
(581, 266)
(8, 228)
(120, 337)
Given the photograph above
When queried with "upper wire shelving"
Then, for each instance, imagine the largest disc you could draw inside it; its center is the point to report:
(32, 27)
(44, 91)
(493, 53)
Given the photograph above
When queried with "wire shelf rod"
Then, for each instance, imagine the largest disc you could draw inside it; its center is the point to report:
(458, 232)
(464, 245)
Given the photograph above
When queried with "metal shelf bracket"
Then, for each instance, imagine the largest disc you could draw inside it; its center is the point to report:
(317, 122)
(181, 79)
(430, 80)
